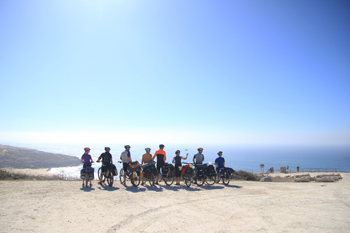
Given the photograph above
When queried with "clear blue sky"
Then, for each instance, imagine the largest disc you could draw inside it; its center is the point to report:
(219, 72)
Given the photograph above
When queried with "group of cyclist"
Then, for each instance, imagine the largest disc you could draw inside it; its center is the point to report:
(160, 155)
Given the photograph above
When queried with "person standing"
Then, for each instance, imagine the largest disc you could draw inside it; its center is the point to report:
(87, 160)
(219, 163)
(177, 161)
(199, 157)
(161, 157)
(107, 163)
(146, 158)
(126, 158)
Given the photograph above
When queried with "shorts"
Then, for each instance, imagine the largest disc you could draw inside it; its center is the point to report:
(105, 167)
(125, 166)
(217, 169)
(177, 172)
(160, 166)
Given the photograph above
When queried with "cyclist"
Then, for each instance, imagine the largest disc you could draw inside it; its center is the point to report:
(198, 157)
(146, 158)
(177, 161)
(87, 160)
(219, 163)
(161, 157)
(107, 163)
(126, 158)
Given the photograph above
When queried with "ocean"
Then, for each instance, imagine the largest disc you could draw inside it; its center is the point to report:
(238, 157)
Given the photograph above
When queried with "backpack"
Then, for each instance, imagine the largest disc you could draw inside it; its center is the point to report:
(227, 170)
(134, 166)
(210, 170)
(89, 170)
(150, 164)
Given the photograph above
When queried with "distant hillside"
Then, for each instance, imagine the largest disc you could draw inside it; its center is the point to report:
(17, 157)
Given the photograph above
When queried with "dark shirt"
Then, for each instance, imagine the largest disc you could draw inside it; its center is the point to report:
(106, 158)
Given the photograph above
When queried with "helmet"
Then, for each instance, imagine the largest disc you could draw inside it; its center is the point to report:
(86, 148)
(177, 152)
(127, 146)
(200, 148)
(220, 152)
(161, 145)
(107, 148)
(147, 149)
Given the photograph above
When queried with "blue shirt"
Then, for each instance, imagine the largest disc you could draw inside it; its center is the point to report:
(220, 162)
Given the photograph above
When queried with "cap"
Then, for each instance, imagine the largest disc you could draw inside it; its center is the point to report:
(107, 148)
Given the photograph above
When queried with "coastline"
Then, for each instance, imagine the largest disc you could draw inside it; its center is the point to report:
(243, 206)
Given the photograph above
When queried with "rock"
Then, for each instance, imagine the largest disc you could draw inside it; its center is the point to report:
(266, 179)
(325, 179)
(303, 179)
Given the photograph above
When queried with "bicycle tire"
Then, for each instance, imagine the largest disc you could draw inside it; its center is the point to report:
(188, 180)
(210, 180)
(99, 173)
(170, 179)
(200, 181)
(121, 176)
(135, 180)
(151, 179)
(226, 178)
(110, 179)
(87, 178)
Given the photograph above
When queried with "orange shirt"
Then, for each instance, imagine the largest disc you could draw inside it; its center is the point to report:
(161, 153)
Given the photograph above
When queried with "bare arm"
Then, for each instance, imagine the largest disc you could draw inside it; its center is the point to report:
(186, 156)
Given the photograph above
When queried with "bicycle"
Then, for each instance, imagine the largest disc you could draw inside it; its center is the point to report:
(87, 175)
(204, 173)
(132, 174)
(168, 174)
(149, 171)
(107, 176)
(187, 173)
(226, 174)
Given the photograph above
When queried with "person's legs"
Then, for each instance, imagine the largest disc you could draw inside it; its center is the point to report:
(125, 167)
(158, 169)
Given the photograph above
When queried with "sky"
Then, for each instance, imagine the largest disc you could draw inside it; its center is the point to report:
(160, 71)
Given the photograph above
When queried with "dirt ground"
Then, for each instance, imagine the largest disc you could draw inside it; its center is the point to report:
(242, 206)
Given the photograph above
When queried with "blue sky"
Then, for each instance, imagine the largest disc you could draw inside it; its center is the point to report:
(202, 72)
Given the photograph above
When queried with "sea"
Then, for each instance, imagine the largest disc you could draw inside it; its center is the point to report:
(239, 157)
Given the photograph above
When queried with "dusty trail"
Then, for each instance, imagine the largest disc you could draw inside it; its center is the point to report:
(243, 206)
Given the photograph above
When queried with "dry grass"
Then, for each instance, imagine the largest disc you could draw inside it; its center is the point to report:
(5, 175)
(243, 175)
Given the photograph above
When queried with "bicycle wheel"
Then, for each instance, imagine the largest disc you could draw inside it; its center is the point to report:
(110, 179)
(210, 180)
(121, 176)
(87, 178)
(99, 172)
(170, 179)
(187, 180)
(151, 179)
(135, 180)
(200, 181)
(226, 178)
